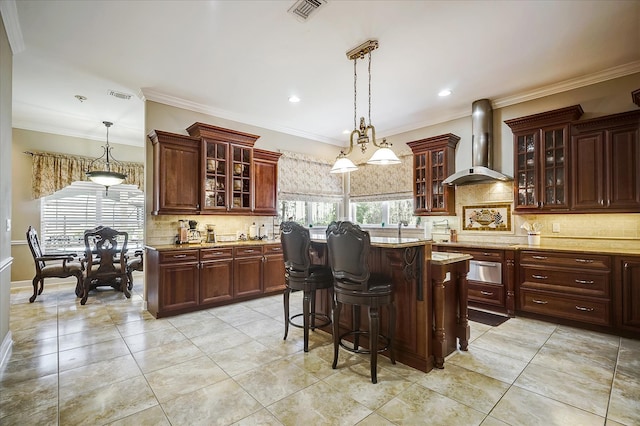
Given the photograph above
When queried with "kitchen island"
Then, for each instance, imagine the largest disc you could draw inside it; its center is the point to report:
(430, 293)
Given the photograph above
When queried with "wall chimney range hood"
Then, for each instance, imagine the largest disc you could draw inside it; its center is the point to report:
(481, 170)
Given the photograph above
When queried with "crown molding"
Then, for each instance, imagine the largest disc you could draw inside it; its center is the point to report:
(9, 12)
(152, 95)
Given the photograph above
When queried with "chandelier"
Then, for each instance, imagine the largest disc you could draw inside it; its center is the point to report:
(105, 177)
(384, 155)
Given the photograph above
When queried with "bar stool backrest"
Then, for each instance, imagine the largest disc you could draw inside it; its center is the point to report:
(348, 246)
(296, 241)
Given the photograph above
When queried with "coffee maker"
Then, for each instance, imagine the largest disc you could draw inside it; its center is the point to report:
(183, 232)
(194, 236)
(211, 233)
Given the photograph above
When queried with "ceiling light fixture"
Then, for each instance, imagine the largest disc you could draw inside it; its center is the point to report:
(105, 177)
(445, 92)
(384, 155)
(294, 99)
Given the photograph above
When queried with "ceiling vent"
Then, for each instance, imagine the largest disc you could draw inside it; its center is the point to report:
(303, 9)
(119, 95)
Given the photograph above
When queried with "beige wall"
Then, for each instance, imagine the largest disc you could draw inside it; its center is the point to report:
(6, 66)
(26, 210)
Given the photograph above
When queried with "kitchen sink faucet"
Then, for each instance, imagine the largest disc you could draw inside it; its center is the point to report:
(402, 222)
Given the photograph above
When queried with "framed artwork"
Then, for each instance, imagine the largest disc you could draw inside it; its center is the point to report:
(487, 217)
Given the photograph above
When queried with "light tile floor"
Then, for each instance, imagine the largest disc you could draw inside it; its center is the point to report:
(110, 362)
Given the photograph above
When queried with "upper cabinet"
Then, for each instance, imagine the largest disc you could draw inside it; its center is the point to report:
(606, 163)
(212, 172)
(541, 160)
(433, 162)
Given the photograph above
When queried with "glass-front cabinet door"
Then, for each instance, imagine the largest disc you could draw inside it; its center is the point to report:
(437, 176)
(420, 172)
(555, 143)
(241, 174)
(216, 171)
(525, 184)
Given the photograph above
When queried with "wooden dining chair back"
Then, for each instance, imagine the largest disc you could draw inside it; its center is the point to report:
(105, 260)
(348, 248)
(62, 265)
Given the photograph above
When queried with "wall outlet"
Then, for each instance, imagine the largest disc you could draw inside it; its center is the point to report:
(555, 227)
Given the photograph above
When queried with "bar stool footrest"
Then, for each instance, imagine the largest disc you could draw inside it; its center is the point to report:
(325, 320)
(381, 339)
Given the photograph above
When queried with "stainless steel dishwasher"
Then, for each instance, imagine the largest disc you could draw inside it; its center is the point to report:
(484, 271)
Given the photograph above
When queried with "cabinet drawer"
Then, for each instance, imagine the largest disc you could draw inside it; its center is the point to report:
(219, 253)
(575, 282)
(179, 256)
(247, 251)
(486, 293)
(568, 307)
(570, 260)
(491, 256)
(272, 249)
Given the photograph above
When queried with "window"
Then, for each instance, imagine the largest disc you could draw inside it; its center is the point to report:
(314, 213)
(67, 213)
(382, 213)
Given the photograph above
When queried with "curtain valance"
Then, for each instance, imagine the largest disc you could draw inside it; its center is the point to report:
(52, 171)
(391, 182)
(305, 178)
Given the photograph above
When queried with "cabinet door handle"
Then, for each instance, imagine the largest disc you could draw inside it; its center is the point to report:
(487, 264)
(584, 281)
(179, 256)
(584, 308)
(276, 249)
(486, 293)
(217, 252)
(249, 251)
(540, 257)
(540, 302)
(584, 260)
(539, 277)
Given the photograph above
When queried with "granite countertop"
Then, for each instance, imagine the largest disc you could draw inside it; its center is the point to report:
(221, 244)
(444, 258)
(579, 245)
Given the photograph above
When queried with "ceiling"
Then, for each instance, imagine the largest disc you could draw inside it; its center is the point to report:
(241, 60)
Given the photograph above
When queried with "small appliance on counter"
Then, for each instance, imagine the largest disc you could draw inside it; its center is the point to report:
(183, 232)
(194, 236)
(211, 233)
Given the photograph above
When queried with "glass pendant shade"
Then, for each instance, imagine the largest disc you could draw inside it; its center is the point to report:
(343, 165)
(384, 156)
(106, 178)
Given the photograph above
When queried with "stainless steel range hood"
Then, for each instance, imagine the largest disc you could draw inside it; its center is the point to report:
(481, 149)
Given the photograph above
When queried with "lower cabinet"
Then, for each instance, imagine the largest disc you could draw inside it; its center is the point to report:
(247, 271)
(627, 272)
(572, 286)
(189, 279)
(216, 272)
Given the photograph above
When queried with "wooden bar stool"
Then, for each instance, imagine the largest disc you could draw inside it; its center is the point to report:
(348, 248)
(300, 274)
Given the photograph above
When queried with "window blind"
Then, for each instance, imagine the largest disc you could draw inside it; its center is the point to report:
(67, 213)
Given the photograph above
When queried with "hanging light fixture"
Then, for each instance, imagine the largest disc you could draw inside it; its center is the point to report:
(384, 155)
(105, 177)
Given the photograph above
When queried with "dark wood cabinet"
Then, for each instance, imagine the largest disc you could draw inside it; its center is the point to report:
(572, 286)
(174, 279)
(433, 162)
(541, 160)
(212, 171)
(176, 173)
(627, 273)
(606, 163)
(247, 271)
(265, 164)
(273, 268)
(216, 275)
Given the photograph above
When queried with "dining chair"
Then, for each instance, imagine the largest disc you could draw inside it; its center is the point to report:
(61, 265)
(105, 260)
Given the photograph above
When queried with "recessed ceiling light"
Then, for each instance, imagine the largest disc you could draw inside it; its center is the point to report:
(445, 92)
(346, 131)
(294, 99)
(80, 98)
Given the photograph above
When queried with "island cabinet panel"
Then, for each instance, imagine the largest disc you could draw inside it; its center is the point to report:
(565, 285)
(216, 276)
(627, 273)
(606, 163)
(176, 173)
(247, 271)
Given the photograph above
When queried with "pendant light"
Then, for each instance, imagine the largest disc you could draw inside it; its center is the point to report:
(384, 155)
(105, 177)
